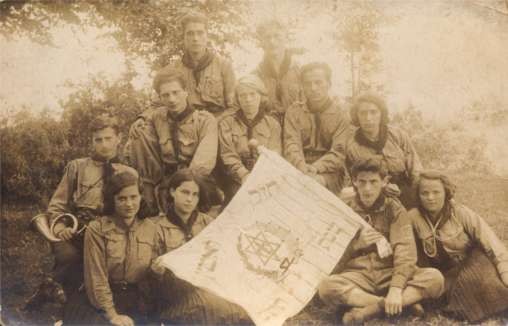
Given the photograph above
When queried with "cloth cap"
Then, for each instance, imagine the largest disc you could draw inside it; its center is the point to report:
(254, 82)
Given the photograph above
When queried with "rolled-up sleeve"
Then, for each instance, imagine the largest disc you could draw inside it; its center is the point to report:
(95, 269)
(403, 245)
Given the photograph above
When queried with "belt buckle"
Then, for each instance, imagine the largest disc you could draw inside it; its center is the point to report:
(123, 285)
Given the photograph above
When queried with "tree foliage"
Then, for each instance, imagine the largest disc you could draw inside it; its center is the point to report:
(143, 28)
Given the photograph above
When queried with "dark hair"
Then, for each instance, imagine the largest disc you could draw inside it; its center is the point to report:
(207, 190)
(448, 185)
(118, 182)
(167, 75)
(375, 99)
(193, 17)
(372, 164)
(104, 121)
(314, 66)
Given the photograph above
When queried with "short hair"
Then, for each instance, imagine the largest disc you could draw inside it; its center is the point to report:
(207, 189)
(372, 164)
(193, 17)
(448, 185)
(118, 182)
(314, 66)
(167, 75)
(373, 98)
(104, 121)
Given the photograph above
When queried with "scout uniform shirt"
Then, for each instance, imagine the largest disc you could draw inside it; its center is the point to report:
(167, 144)
(211, 87)
(81, 187)
(116, 254)
(390, 219)
(317, 138)
(458, 234)
(234, 136)
(398, 153)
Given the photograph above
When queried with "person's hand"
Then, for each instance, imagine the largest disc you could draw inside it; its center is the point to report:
(393, 301)
(392, 190)
(367, 238)
(121, 320)
(504, 278)
(66, 234)
(137, 126)
(157, 266)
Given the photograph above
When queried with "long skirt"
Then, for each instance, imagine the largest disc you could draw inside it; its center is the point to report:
(181, 303)
(474, 289)
(79, 311)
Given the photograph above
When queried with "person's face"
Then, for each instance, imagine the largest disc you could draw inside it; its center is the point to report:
(127, 202)
(274, 41)
(432, 195)
(105, 142)
(249, 100)
(186, 197)
(369, 186)
(195, 38)
(369, 118)
(315, 85)
(173, 96)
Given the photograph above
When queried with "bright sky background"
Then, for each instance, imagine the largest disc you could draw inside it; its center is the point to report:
(438, 56)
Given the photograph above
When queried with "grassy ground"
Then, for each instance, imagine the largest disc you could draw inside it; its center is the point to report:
(25, 257)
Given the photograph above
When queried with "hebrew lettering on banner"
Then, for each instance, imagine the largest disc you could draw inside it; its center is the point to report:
(272, 245)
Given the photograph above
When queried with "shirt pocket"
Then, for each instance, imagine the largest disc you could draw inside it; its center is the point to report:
(188, 143)
(212, 88)
(166, 146)
(239, 138)
(115, 246)
(395, 160)
(145, 250)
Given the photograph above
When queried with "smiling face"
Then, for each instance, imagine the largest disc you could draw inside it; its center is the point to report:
(315, 85)
(105, 142)
(195, 38)
(249, 100)
(127, 202)
(369, 186)
(186, 197)
(173, 96)
(432, 195)
(369, 118)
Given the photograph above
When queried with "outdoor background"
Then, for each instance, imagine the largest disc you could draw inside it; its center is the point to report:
(442, 66)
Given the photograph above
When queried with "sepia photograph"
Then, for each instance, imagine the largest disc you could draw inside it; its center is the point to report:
(253, 162)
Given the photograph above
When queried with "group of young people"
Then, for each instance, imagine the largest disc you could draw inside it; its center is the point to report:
(188, 154)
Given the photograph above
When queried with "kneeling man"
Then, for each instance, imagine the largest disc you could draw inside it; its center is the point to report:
(371, 284)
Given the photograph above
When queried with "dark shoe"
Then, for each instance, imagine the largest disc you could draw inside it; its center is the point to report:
(49, 291)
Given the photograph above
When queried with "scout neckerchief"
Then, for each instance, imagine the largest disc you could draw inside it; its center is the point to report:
(316, 112)
(267, 69)
(376, 206)
(250, 124)
(198, 67)
(175, 119)
(435, 249)
(107, 172)
(377, 145)
(177, 220)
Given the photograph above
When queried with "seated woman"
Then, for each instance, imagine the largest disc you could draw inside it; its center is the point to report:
(180, 302)
(463, 247)
(375, 138)
(250, 122)
(119, 248)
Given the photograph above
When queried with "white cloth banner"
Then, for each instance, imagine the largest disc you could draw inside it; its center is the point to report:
(280, 236)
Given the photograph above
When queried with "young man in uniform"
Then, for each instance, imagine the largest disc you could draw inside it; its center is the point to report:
(80, 193)
(315, 131)
(176, 136)
(371, 284)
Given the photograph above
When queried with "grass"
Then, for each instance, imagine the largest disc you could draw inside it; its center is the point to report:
(25, 257)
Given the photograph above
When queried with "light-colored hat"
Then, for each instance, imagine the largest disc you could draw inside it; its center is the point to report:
(254, 82)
